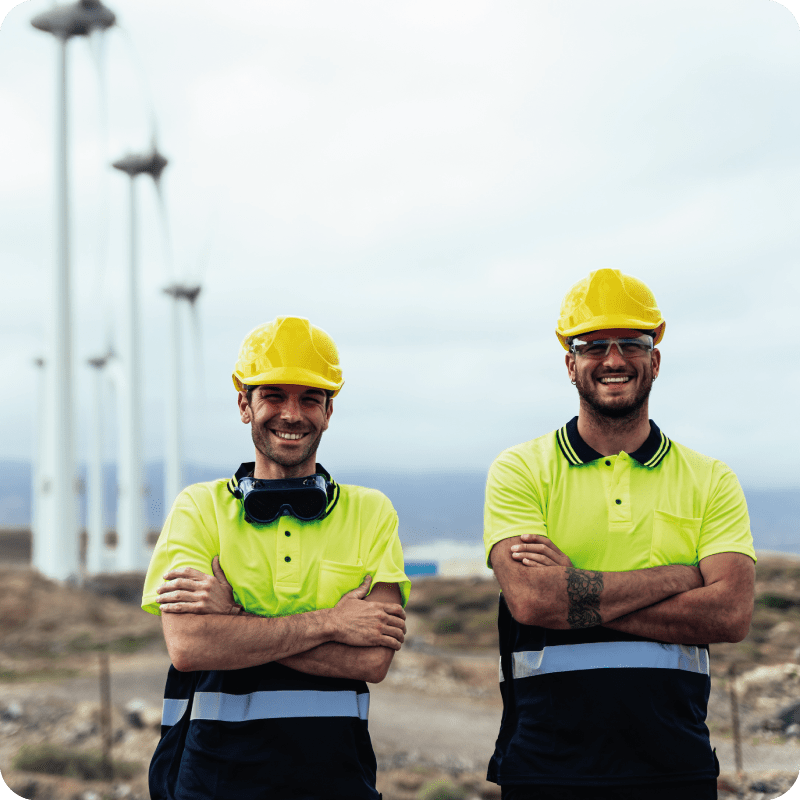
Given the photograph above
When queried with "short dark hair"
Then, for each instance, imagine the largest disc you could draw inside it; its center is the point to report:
(248, 390)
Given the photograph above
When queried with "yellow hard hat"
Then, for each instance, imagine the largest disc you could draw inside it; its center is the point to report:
(608, 299)
(288, 350)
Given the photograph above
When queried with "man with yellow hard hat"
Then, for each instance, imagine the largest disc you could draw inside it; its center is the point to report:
(284, 596)
(621, 555)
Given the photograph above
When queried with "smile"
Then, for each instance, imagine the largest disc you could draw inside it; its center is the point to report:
(288, 436)
(615, 379)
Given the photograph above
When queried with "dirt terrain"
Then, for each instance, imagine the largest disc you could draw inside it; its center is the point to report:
(433, 721)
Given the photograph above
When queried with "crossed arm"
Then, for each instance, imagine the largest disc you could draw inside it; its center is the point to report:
(673, 603)
(356, 638)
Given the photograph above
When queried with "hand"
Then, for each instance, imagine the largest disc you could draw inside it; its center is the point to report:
(368, 624)
(189, 591)
(538, 551)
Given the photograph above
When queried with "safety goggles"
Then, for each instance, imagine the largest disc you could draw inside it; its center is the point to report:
(264, 501)
(600, 348)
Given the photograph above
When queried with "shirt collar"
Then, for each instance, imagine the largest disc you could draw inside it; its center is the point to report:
(577, 452)
(247, 468)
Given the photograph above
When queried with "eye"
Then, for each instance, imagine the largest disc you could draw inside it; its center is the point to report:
(633, 348)
(597, 349)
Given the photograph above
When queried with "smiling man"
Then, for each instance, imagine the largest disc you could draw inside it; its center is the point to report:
(284, 595)
(621, 555)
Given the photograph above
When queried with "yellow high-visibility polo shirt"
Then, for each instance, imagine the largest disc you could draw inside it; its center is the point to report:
(287, 566)
(663, 504)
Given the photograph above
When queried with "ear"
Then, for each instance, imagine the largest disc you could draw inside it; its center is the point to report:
(328, 412)
(569, 360)
(656, 361)
(245, 412)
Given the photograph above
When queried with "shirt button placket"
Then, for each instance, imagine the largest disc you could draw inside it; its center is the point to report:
(288, 566)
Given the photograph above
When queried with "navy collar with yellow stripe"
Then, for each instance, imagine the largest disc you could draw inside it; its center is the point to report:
(577, 452)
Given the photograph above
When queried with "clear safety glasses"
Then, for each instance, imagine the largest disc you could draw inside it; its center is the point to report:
(600, 348)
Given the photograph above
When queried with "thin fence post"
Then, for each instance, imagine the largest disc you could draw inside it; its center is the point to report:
(105, 714)
(737, 733)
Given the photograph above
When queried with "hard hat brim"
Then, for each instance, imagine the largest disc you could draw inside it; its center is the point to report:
(612, 322)
(290, 375)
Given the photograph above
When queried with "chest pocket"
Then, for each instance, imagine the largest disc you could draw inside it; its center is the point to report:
(674, 539)
(336, 579)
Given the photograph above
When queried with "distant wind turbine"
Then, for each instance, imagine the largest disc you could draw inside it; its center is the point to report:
(130, 516)
(173, 472)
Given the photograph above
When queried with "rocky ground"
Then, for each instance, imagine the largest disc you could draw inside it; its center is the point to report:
(52, 635)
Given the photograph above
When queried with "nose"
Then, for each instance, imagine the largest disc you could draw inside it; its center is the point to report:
(290, 409)
(614, 359)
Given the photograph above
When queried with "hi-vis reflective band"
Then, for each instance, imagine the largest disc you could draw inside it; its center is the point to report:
(268, 705)
(173, 710)
(608, 655)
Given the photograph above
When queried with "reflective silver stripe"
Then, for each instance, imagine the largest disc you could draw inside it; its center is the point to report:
(276, 705)
(609, 655)
(173, 710)
(363, 705)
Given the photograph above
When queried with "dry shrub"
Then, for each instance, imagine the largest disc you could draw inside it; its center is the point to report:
(54, 760)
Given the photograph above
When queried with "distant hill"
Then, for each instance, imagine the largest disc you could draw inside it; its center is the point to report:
(431, 505)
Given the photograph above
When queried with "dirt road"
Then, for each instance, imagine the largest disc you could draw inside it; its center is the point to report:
(453, 731)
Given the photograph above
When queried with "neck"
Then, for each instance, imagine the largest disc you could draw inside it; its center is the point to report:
(269, 470)
(609, 436)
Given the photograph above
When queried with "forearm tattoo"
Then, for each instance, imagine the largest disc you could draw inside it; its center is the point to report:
(583, 594)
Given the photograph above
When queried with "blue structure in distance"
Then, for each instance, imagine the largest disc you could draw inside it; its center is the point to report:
(415, 569)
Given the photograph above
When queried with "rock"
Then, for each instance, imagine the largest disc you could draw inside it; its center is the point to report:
(151, 717)
(790, 715)
(793, 730)
(139, 715)
(28, 790)
(782, 631)
(9, 728)
(760, 679)
(11, 712)
(133, 713)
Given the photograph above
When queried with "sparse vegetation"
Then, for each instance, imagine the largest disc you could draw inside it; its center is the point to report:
(53, 760)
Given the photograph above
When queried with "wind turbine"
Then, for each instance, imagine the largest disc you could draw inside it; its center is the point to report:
(56, 541)
(173, 472)
(130, 517)
(96, 553)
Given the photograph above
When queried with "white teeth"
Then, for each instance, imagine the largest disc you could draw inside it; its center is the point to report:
(284, 435)
(624, 379)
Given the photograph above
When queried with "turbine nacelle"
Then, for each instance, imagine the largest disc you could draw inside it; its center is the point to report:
(77, 19)
(134, 164)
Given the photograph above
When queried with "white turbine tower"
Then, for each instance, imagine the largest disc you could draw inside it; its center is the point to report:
(130, 511)
(97, 555)
(173, 471)
(56, 541)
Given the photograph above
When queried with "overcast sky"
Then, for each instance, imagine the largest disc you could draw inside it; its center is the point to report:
(424, 180)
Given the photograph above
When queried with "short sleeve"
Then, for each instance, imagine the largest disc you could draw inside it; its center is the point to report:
(513, 504)
(385, 560)
(185, 541)
(726, 523)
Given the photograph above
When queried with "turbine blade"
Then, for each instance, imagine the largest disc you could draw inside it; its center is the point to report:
(166, 236)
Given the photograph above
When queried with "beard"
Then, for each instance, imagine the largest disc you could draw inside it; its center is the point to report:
(262, 442)
(616, 408)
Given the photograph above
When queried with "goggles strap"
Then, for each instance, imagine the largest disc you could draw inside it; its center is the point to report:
(246, 471)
